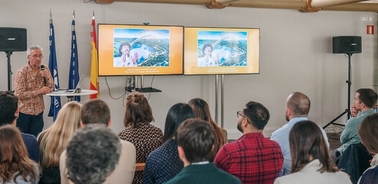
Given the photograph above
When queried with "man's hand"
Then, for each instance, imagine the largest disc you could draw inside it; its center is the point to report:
(353, 111)
(44, 90)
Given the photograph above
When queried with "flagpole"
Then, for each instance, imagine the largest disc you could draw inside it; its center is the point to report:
(94, 84)
(53, 67)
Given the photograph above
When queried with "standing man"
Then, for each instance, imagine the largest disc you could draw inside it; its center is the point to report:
(195, 139)
(252, 158)
(364, 101)
(31, 82)
(297, 109)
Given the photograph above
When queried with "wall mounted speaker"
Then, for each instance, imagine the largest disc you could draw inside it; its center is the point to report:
(12, 39)
(346, 44)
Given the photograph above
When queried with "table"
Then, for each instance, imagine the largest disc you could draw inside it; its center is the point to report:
(71, 94)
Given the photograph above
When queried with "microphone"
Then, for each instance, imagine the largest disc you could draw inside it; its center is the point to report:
(44, 78)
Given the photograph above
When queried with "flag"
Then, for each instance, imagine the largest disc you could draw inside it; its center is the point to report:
(73, 78)
(94, 62)
(55, 100)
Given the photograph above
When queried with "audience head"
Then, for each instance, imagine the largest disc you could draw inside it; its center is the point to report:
(201, 109)
(14, 156)
(138, 110)
(8, 108)
(54, 140)
(92, 154)
(176, 115)
(365, 98)
(253, 117)
(195, 138)
(297, 105)
(95, 111)
(368, 133)
(306, 144)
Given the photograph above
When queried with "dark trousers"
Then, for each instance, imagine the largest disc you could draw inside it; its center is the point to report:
(30, 124)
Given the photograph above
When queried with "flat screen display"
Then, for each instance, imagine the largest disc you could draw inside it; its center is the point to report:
(214, 51)
(140, 50)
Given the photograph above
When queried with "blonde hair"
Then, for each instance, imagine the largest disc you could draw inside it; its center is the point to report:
(54, 140)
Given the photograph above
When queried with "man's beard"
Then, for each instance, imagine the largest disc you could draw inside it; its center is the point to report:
(239, 127)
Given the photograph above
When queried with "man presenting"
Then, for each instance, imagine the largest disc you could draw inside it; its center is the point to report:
(31, 82)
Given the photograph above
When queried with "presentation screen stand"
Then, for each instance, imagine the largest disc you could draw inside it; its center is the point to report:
(143, 89)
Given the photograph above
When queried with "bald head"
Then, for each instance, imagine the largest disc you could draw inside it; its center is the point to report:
(299, 104)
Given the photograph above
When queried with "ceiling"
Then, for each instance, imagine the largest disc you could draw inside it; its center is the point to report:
(301, 5)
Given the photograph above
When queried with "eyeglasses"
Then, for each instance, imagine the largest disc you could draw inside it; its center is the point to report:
(35, 56)
(238, 114)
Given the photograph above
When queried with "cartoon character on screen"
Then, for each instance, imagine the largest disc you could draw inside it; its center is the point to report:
(126, 59)
(208, 58)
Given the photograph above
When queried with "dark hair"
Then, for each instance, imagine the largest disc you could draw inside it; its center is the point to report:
(367, 96)
(8, 106)
(92, 154)
(137, 110)
(197, 138)
(306, 140)
(176, 115)
(299, 103)
(122, 45)
(201, 110)
(14, 157)
(95, 111)
(257, 114)
(368, 133)
(205, 46)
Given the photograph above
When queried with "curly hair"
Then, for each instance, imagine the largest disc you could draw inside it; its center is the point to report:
(92, 154)
(138, 110)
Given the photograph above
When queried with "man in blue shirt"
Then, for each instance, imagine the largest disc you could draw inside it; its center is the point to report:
(9, 114)
(364, 102)
(297, 109)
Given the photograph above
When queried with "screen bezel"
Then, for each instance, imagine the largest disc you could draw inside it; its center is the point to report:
(107, 49)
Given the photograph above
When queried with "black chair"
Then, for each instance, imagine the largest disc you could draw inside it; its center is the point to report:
(354, 161)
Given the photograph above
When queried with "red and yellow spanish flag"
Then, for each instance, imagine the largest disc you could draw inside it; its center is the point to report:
(94, 62)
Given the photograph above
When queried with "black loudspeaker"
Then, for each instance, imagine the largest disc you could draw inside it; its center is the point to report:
(346, 44)
(12, 39)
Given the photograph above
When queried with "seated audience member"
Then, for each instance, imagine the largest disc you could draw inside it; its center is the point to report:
(368, 134)
(196, 139)
(252, 158)
(139, 131)
(9, 114)
(92, 155)
(97, 112)
(297, 109)
(364, 101)
(15, 165)
(201, 110)
(354, 161)
(311, 162)
(164, 163)
(54, 140)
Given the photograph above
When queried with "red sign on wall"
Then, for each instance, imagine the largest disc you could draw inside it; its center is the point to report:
(370, 29)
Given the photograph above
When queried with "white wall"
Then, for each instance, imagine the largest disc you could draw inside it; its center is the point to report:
(295, 55)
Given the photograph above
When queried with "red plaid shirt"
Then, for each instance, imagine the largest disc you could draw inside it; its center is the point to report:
(252, 158)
